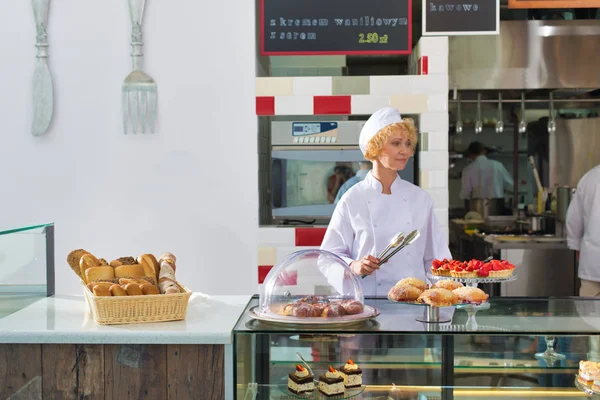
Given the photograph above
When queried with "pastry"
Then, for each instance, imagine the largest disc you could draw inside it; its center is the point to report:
(438, 298)
(352, 307)
(73, 259)
(471, 295)
(331, 383)
(301, 381)
(352, 374)
(128, 271)
(167, 256)
(87, 261)
(99, 290)
(447, 284)
(133, 289)
(588, 371)
(287, 310)
(99, 273)
(333, 310)
(404, 292)
(148, 288)
(596, 385)
(302, 310)
(151, 261)
(419, 284)
(103, 262)
(117, 290)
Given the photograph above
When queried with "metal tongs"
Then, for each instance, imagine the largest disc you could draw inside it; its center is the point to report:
(397, 243)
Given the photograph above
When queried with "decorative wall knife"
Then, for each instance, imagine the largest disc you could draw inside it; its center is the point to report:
(43, 101)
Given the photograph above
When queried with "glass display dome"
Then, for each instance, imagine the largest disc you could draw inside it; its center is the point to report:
(311, 284)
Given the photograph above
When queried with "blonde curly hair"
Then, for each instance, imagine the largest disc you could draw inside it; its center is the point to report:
(375, 145)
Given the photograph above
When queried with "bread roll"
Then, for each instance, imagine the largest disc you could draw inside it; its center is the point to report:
(148, 270)
(128, 271)
(438, 298)
(447, 284)
(117, 290)
(115, 263)
(151, 261)
(99, 273)
(416, 282)
(148, 288)
(92, 284)
(470, 295)
(100, 290)
(103, 262)
(133, 289)
(404, 292)
(140, 281)
(87, 261)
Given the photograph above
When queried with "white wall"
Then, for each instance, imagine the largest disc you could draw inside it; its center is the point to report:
(191, 188)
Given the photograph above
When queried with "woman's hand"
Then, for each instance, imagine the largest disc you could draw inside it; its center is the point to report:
(365, 266)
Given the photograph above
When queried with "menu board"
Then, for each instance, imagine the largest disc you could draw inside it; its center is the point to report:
(315, 27)
(461, 17)
(553, 3)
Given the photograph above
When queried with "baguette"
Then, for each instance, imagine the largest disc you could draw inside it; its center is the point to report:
(166, 279)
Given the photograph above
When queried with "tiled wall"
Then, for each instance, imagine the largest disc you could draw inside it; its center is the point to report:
(425, 92)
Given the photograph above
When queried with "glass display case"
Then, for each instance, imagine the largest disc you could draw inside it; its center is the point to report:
(521, 348)
(26, 266)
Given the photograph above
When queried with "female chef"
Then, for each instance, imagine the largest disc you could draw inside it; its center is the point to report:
(381, 205)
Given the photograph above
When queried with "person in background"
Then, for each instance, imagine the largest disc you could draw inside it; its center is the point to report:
(583, 236)
(365, 167)
(341, 174)
(484, 178)
(583, 231)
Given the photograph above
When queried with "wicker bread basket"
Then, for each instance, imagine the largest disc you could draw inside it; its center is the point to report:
(113, 310)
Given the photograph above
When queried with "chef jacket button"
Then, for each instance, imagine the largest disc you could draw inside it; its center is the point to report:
(379, 284)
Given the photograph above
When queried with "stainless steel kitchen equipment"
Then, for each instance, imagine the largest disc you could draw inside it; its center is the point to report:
(43, 92)
(486, 207)
(139, 89)
(305, 158)
(564, 194)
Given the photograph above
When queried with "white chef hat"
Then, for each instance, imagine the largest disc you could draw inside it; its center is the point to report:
(380, 119)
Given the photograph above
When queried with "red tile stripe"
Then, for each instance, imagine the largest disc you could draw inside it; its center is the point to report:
(263, 271)
(310, 236)
(332, 105)
(424, 65)
(265, 105)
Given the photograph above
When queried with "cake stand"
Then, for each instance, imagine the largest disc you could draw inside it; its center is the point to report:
(472, 310)
(585, 388)
(431, 314)
(472, 282)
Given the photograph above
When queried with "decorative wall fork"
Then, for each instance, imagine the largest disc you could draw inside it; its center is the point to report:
(43, 97)
(138, 94)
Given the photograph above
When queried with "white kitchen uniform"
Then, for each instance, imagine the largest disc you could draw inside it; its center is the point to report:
(485, 179)
(365, 220)
(583, 225)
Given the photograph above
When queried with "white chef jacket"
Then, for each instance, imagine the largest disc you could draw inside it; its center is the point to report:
(365, 220)
(485, 179)
(583, 224)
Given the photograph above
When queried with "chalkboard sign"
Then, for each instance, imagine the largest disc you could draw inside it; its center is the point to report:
(314, 27)
(461, 17)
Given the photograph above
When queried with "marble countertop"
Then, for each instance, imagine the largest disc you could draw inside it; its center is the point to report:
(65, 319)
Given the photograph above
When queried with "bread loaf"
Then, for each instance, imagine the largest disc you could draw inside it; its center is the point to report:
(99, 273)
(117, 290)
(166, 278)
(73, 259)
(151, 261)
(140, 281)
(87, 261)
(148, 270)
(128, 271)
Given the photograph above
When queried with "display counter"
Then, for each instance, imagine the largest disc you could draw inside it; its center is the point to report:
(52, 349)
(520, 348)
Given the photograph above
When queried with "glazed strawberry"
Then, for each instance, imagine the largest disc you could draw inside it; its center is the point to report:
(299, 368)
(350, 362)
(331, 369)
(483, 272)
